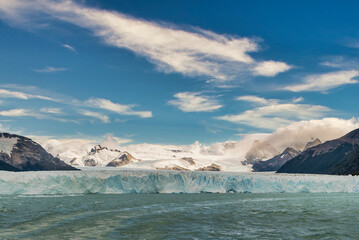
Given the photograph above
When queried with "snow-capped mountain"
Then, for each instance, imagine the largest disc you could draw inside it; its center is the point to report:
(276, 162)
(18, 153)
(103, 156)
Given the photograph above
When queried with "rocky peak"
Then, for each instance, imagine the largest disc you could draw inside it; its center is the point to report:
(290, 151)
(124, 159)
(97, 149)
(313, 143)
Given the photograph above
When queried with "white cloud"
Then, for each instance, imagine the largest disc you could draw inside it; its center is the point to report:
(270, 68)
(116, 107)
(49, 69)
(191, 52)
(100, 116)
(113, 142)
(299, 133)
(194, 102)
(74, 104)
(275, 113)
(4, 93)
(18, 112)
(256, 99)
(69, 47)
(51, 110)
(324, 82)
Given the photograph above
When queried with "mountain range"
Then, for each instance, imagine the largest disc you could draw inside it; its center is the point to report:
(279, 160)
(339, 156)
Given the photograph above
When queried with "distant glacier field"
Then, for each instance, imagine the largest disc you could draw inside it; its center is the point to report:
(99, 204)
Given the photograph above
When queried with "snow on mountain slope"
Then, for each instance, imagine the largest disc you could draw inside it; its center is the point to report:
(7, 144)
(231, 155)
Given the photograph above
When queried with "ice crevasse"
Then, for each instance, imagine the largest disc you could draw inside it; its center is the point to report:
(154, 181)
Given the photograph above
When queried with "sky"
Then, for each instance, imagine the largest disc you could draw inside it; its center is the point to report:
(175, 72)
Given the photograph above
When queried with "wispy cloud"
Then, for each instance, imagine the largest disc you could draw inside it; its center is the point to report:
(49, 69)
(69, 47)
(116, 107)
(270, 68)
(324, 82)
(102, 117)
(51, 110)
(72, 104)
(340, 62)
(194, 102)
(275, 113)
(22, 112)
(256, 99)
(170, 48)
(18, 112)
(5, 93)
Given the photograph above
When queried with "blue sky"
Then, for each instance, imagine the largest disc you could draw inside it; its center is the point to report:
(175, 71)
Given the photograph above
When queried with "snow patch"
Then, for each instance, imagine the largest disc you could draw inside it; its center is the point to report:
(7, 144)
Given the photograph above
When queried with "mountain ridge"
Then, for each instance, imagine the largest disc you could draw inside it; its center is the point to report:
(323, 158)
(19, 153)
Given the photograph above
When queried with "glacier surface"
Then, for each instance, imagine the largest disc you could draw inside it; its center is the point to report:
(154, 181)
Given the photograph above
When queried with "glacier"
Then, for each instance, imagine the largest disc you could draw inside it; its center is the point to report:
(156, 181)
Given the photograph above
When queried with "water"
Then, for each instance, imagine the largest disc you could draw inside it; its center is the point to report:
(181, 216)
(99, 205)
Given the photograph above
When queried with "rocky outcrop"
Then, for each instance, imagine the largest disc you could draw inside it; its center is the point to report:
(124, 159)
(90, 163)
(276, 162)
(174, 168)
(23, 154)
(212, 167)
(331, 157)
(189, 160)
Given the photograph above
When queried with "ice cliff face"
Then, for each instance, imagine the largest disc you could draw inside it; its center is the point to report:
(152, 181)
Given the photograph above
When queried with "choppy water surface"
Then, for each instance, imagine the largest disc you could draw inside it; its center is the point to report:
(181, 216)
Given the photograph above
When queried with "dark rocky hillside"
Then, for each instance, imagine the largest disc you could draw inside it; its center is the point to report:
(276, 162)
(331, 157)
(23, 154)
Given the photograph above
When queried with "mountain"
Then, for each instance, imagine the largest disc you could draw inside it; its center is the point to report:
(18, 153)
(103, 156)
(314, 143)
(325, 158)
(276, 162)
(124, 159)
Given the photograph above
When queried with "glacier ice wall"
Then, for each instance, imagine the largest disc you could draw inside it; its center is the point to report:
(152, 181)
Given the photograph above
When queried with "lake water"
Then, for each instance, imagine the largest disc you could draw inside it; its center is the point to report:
(47, 213)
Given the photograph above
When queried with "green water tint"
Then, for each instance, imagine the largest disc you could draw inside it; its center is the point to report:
(181, 216)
